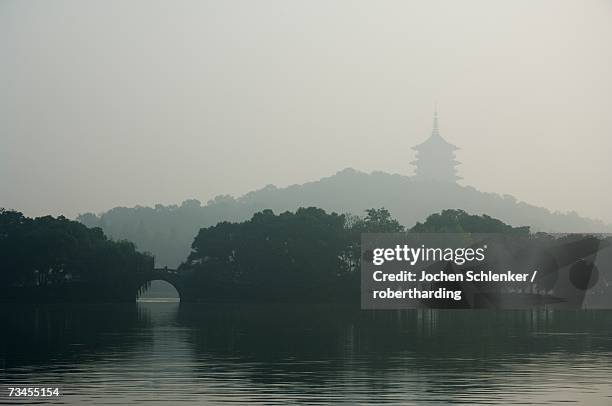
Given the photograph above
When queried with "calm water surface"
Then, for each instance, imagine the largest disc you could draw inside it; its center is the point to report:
(175, 354)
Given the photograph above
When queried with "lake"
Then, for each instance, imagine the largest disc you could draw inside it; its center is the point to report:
(176, 354)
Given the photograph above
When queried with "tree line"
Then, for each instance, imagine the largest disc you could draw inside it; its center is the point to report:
(307, 255)
(60, 259)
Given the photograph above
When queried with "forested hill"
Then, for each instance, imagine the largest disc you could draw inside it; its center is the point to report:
(168, 231)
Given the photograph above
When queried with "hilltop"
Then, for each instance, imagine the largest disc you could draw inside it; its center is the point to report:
(168, 231)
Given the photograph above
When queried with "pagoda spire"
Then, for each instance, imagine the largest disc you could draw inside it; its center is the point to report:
(436, 130)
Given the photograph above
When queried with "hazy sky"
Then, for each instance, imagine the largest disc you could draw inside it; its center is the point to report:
(141, 102)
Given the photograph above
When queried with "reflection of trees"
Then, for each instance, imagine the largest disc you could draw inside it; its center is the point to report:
(310, 344)
(31, 332)
(308, 348)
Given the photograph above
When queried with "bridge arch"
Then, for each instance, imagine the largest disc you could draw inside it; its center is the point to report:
(167, 275)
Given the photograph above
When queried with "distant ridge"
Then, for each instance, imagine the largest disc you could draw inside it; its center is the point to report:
(167, 231)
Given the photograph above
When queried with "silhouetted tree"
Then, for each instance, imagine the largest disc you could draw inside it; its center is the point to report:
(458, 221)
(48, 252)
(308, 255)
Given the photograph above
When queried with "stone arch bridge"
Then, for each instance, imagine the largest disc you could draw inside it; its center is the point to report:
(171, 276)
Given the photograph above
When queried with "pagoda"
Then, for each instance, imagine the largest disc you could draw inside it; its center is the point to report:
(435, 158)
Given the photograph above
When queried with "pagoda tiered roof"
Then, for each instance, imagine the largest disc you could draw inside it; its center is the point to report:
(435, 158)
(435, 141)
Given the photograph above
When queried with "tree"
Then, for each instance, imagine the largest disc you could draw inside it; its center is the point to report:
(458, 221)
(306, 255)
(51, 253)
(380, 221)
(286, 256)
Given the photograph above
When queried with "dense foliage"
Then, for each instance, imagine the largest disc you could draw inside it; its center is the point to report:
(46, 254)
(458, 221)
(305, 255)
(302, 256)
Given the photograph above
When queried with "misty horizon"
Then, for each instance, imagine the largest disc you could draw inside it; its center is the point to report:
(268, 187)
(125, 104)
